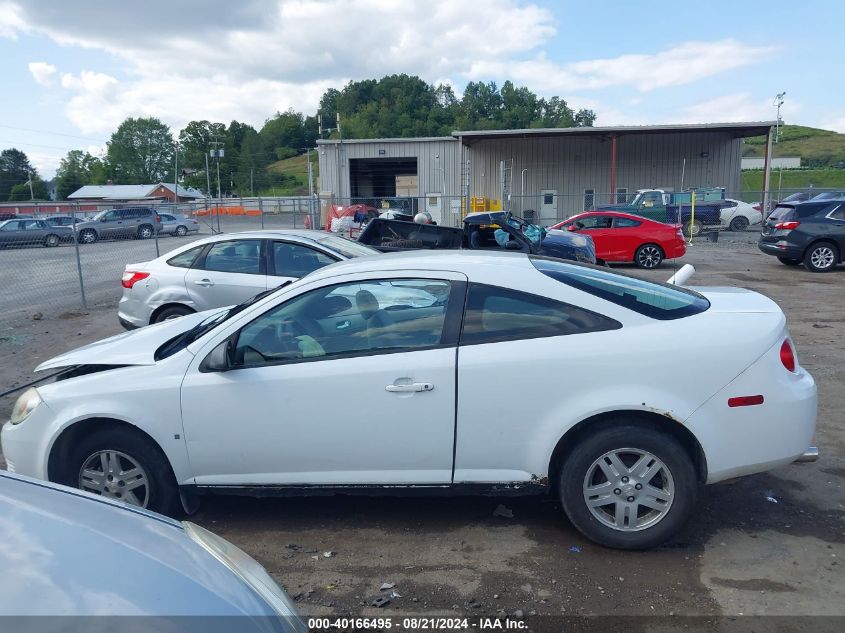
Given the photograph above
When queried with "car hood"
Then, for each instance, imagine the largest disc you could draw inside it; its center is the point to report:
(74, 554)
(130, 348)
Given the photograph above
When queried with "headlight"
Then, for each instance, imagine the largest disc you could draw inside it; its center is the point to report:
(247, 568)
(25, 405)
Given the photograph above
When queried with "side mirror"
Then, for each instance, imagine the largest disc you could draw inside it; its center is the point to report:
(221, 358)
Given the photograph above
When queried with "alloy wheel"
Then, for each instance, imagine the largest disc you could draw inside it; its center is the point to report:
(628, 489)
(116, 475)
(649, 257)
(822, 257)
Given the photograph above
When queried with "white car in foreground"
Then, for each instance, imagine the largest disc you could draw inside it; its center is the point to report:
(517, 373)
(740, 215)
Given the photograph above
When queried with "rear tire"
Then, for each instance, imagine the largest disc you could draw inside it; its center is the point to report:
(88, 236)
(821, 257)
(51, 240)
(139, 460)
(648, 256)
(739, 223)
(181, 231)
(173, 312)
(145, 232)
(789, 261)
(666, 478)
(693, 229)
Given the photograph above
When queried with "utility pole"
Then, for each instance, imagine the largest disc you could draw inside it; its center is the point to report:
(217, 152)
(31, 194)
(251, 189)
(207, 177)
(778, 102)
(176, 174)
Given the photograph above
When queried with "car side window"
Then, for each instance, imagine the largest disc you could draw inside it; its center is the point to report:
(594, 222)
(186, 259)
(624, 223)
(30, 225)
(838, 213)
(496, 314)
(296, 260)
(236, 256)
(111, 215)
(352, 319)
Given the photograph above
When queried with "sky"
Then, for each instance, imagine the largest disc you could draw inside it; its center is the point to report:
(75, 69)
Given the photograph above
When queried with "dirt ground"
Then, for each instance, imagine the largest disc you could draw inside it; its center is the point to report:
(767, 544)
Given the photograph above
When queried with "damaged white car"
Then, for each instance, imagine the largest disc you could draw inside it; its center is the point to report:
(445, 372)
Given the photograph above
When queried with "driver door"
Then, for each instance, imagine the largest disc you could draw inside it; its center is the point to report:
(344, 384)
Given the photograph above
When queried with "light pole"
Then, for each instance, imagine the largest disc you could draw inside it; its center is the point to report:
(217, 152)
(778, 103)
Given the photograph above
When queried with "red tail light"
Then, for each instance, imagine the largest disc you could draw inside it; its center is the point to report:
(787, 355)
(130, 278)
(787, 226)
(745, 401)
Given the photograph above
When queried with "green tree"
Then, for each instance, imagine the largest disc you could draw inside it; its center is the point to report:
(15, 169)
(286, 130)
(22, 192)
(141, 151)
(76, 170)
(251, 175)
(195, 140)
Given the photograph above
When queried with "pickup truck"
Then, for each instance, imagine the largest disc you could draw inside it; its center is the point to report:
(673, 207)
(499, 230)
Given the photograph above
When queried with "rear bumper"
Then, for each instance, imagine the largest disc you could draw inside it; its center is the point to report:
(132, 312)
(781, 249)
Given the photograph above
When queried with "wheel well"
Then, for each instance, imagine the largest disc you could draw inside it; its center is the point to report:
(822, 240)
(645, 419)
(164, 307)
(61, 447)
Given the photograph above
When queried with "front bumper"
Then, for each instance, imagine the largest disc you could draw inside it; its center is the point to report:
(809, 456)
(25, 445)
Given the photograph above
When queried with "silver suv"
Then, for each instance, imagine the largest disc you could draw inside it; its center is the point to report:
(138, 222)
(224, 270)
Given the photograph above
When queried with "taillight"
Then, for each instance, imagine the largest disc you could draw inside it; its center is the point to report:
(786, 226)
(787, 355)
(130, 278)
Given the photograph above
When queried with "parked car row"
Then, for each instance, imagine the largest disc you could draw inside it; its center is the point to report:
(128, 222)
(810, 233)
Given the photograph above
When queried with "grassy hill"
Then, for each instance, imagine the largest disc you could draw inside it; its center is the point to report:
(295, 167)
(817, 148)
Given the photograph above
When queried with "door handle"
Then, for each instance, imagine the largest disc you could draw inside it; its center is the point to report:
(204, 282)
(410, 388)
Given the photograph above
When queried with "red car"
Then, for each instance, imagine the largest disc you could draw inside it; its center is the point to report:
(623, 237)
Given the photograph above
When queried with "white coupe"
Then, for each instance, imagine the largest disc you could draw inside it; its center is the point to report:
(446, 372)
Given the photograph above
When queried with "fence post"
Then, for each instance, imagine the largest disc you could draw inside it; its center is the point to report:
(78, 260)
(261, 210)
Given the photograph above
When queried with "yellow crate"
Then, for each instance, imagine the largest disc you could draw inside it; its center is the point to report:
(494, 205)
(477, 204)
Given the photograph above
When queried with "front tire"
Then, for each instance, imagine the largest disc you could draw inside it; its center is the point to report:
(628, 487)
(789, 261)
(648, 256)
(739, 223)
(51, 241)
(123, 465)
(821, 257)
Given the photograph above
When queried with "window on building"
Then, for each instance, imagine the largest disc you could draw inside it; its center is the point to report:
(589, 199)
(621, 195)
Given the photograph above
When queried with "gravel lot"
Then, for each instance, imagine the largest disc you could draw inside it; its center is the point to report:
(767, 544)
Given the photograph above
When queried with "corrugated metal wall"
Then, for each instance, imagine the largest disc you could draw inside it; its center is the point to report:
(438, 164)
(565, 164)
(569, 165)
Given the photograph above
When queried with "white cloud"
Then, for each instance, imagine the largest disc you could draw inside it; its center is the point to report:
(739, 106)
(835, 122)
(11, 20)
(42, 72)
(681, 65)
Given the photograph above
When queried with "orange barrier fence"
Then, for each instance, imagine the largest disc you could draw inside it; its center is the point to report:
(212, 211)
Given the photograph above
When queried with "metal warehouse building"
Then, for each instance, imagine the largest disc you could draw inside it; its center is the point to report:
(552, 172)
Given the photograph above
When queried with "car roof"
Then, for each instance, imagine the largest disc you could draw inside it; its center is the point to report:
(462, 261)
(620, 214)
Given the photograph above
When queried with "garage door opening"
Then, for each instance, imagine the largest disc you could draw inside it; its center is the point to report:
(375, 179)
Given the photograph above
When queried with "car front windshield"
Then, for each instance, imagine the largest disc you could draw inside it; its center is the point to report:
(346, 247)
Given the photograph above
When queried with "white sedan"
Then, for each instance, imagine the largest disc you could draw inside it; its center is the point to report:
(739, 215)
(516, 374)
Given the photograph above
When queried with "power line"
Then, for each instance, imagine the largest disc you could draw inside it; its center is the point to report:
(27, 129)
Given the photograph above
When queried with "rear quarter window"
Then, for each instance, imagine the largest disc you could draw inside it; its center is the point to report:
(660, 301)
(186, 259)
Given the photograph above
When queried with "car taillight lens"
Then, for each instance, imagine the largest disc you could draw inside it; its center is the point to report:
(130, 278)
(787, 226)
(787, 355)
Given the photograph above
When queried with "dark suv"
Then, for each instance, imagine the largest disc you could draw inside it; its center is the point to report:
(139, 222)
(810, 232)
